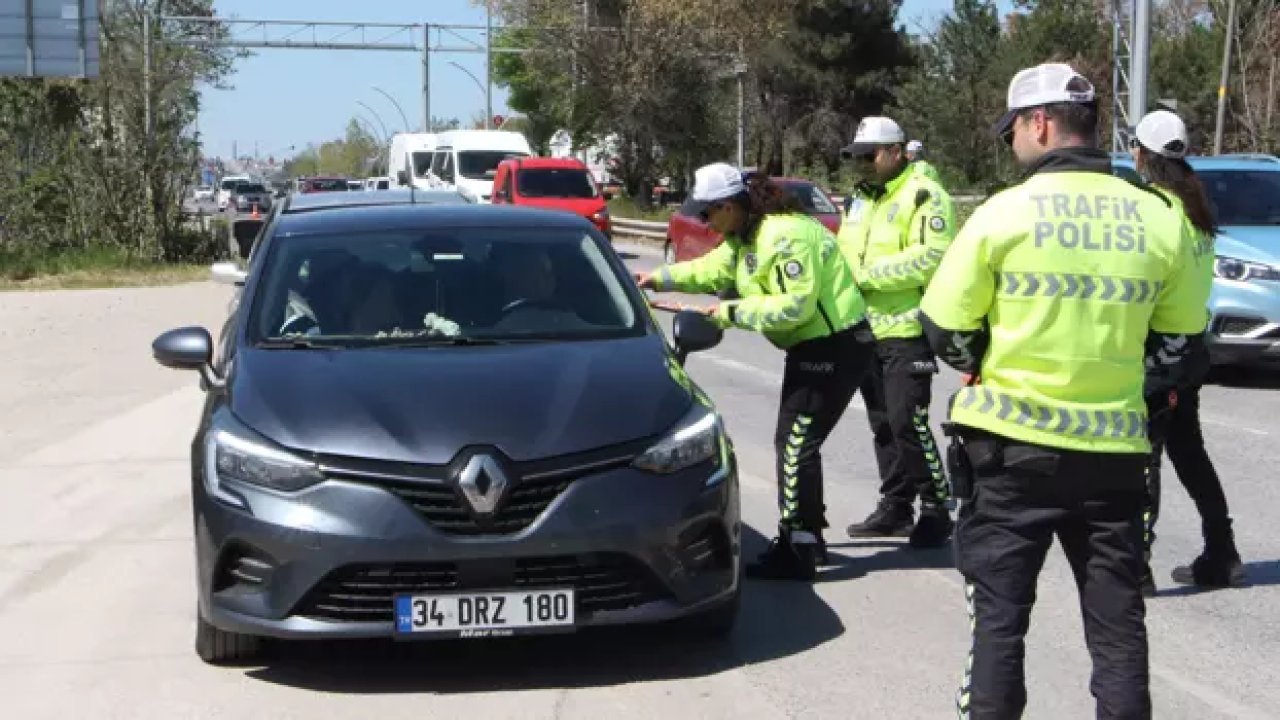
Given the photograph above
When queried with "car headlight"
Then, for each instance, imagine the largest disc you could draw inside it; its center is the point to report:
(235, 453)
(1229, 268)
(695, 439)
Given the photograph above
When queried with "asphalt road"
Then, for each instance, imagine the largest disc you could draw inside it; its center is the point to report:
(97, 599)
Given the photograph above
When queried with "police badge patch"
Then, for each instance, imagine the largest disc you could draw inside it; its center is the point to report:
(937, 224)
(750, 260)
(893, 212)
(793, 269)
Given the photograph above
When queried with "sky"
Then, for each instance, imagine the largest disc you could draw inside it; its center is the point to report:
(283, 99)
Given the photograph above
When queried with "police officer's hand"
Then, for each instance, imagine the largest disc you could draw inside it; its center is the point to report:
(645, 280)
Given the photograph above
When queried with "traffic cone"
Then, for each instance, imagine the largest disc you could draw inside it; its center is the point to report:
(255, 215)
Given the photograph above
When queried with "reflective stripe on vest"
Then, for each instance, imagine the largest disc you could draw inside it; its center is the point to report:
(881, 322)
(902, 268)
(1084, 287)
(1080, 423)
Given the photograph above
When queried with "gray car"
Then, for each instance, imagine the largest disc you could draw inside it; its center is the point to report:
(246, 197)
(431, 421)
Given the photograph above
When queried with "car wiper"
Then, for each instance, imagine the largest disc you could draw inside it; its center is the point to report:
(299, 343)
(425, 341)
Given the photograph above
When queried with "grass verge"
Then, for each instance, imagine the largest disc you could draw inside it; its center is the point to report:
(90, 268)
(625, 207)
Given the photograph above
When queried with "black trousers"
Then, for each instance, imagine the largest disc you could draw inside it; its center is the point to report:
(818, 383)
(1175, 428)
(1024, 496)
(897, 392)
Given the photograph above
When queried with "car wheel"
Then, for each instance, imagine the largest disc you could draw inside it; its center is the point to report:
(219, 647)
(714, 624)
(669, 253)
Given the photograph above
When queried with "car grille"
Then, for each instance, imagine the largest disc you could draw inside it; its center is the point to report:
(366, 593)
(535, 485)
(1232, 325)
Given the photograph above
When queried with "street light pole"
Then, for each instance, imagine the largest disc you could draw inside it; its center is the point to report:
(377, 117)
(1226, 73)
(488, 63)
(398, 108)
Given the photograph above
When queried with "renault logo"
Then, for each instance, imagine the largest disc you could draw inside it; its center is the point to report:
(483, 483)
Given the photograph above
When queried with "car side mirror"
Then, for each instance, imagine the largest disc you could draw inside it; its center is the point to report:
(694, 332)
(228, 273)
(402, 177)
(187, 348)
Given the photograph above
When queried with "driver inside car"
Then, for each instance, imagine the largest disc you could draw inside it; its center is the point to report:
(532, 304)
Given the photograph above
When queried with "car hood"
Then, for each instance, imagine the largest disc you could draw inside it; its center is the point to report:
(422, 405)
(1253, 243)
(586, 207)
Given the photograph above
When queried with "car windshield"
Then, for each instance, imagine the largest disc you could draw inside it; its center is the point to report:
(482, 164)
(555, 183)
(422, 163)
(441, 286)
(811, 198)
(243, 188)
(230, 184)
(1243, 197)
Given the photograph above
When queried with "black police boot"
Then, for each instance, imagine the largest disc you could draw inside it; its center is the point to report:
(933, 529)
(1218, 566)
(891, 518)
(786, 560)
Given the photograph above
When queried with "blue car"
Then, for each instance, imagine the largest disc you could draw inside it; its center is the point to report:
(1244, 191)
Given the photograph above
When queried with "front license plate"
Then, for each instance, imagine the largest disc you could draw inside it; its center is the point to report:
(486, 614)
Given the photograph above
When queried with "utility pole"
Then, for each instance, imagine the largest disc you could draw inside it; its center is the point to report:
(1141, 60)
(426, 77)
(488, 63)
(1226, 74)
(740, 69)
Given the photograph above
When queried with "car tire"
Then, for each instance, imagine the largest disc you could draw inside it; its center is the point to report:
(669, 253)
(219, 647)
(716, 623)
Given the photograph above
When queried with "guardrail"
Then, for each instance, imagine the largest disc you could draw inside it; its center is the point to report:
(627, 227)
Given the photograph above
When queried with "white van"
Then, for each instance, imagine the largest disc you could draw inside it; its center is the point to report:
(409, 159)
(226, 185)
(467, 160)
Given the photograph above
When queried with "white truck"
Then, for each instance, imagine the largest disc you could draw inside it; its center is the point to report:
(467, 160)
(409, 159)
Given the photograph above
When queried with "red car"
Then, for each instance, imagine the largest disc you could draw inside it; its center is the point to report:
(553, 183)
(688, 237)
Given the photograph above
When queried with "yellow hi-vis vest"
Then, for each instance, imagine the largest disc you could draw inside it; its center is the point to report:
(1070, 271)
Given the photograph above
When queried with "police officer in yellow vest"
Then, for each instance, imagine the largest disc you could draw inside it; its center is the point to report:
(1054, 297)
(915, 156)
(793, 286)
(898, 227)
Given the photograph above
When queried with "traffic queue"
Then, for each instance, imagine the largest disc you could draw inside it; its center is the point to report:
(1073, 303)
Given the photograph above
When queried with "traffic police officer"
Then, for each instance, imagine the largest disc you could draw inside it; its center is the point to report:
(900, 224)
(1052, 296)
(915, 155)
(793, 285)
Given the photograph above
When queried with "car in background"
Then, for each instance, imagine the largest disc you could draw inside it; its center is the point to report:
(467, 160)
(554, 184)
(355, 185)
(203, 193)
(1244, 305)
(226, 186)
(689, 237)
(378, 183)
(247, 197)
(411, 431)
(322, 184)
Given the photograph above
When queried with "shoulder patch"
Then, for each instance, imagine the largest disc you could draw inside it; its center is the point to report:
(793, 269)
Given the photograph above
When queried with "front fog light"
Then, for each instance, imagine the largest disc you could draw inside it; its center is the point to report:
(695, 439)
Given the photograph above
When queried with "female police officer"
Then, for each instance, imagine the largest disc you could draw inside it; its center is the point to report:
(792, 285)
(1158, 150)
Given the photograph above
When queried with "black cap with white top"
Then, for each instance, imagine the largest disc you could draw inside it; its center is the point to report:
(872, 133)
(1047, 84)
(1163, 133)
(715, 182)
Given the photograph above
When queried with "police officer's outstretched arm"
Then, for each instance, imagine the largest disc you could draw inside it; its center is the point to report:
(793, 266)
(954, 308)
(1178, 322)
(710, 273)
(930, 233)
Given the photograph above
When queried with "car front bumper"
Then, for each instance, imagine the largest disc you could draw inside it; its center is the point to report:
(1245, 326)
(327, 562)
